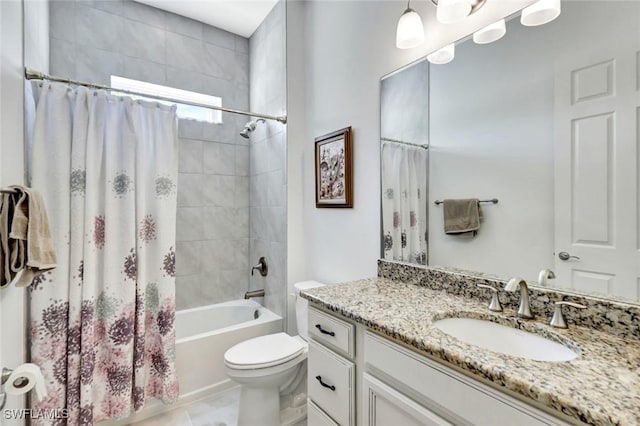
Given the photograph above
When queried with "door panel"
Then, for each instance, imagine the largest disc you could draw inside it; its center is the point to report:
(597, 114)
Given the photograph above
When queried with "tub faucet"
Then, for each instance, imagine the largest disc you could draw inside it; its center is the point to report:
(524, 310)
(254, 293)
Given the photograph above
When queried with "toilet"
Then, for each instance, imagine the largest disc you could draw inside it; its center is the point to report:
(268, 366)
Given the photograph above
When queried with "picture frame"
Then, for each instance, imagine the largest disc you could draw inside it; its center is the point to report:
(334, 169)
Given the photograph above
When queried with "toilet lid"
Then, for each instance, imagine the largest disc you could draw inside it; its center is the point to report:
(263, 351)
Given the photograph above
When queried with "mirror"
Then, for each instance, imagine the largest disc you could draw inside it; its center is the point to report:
(404, 125)
(545, 120)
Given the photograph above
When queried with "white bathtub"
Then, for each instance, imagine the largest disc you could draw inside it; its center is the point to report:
(202, 337)
(204, 334)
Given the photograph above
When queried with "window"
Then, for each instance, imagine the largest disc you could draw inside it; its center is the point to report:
(183, 111)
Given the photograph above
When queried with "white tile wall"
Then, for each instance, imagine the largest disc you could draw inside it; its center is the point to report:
(267, 158)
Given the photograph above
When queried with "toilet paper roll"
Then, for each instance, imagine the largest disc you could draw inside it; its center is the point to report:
(24, 378)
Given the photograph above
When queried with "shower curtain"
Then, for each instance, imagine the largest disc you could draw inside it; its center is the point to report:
(404, 202)
(102, 323)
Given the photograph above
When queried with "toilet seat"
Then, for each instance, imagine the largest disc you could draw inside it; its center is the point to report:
(264, 352)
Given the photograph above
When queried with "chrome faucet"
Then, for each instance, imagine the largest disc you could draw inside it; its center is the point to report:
(254, 293)
(524, 310)
(558, 319)
(494, 305)
(544, 275)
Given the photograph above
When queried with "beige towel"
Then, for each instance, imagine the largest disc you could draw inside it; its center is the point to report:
(6, 274)
(462, 217)
(30, 240)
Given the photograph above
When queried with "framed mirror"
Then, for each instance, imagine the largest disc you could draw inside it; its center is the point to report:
(546, 120)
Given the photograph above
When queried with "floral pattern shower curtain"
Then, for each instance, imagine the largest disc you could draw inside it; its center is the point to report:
(404, 198)
(102, 323)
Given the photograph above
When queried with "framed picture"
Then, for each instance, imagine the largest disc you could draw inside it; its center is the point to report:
(334, 185)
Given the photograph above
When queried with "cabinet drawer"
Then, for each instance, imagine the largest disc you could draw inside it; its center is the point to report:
(447, 392)
(333, 332)
(317, 417)
(331, 384)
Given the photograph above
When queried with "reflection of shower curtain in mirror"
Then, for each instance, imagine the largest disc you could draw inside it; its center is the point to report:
(102, 323)
(404, 209)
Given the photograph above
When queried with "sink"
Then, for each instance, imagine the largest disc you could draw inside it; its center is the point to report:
(505, 340)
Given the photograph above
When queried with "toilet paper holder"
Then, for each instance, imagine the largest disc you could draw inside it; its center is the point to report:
(6, 373)
(19, 383)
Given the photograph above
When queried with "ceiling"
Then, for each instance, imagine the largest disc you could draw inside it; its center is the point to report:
(240, 17)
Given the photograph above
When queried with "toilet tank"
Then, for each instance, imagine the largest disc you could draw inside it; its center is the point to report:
(302, 306)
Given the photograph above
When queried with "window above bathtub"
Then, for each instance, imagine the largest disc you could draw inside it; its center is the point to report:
(183, 110)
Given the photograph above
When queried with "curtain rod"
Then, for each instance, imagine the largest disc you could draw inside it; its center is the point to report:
(426, 146)
(37, 75)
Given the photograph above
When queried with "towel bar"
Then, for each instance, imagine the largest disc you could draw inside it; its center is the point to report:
(492, 201)
(7, 191)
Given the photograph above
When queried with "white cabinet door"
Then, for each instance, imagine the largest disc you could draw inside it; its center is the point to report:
(597, 114)
(384, 406)
(317, 417)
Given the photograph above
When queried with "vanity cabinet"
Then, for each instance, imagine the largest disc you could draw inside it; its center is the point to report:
(331, 370)
(397, 386)
(444, 392)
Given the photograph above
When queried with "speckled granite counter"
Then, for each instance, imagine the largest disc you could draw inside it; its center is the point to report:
(601, 386)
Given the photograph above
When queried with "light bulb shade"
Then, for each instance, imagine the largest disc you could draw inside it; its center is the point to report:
(490, 33)
(410, 32)
(443, 56)
(451, 11)
(540, 13)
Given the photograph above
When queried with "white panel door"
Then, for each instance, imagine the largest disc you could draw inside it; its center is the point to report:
(596, 115)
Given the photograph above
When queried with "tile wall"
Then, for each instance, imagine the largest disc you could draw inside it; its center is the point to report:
(92, 40)
(268, 151)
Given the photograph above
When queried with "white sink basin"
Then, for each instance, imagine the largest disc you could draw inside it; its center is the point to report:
(505, 340)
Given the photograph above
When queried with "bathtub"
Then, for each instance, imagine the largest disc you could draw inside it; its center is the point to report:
(203, 335)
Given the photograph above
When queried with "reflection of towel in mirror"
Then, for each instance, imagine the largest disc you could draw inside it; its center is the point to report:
(29, 238)
(462, 217)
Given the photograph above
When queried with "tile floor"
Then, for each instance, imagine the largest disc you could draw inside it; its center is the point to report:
(218, 410)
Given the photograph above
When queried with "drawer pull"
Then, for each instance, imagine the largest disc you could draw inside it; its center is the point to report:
(330, 333)
(319, 378)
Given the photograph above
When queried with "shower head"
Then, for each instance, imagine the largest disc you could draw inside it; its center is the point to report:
(250, 127)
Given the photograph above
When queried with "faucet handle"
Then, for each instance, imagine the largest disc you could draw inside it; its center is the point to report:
(558, 318)
(494, 305)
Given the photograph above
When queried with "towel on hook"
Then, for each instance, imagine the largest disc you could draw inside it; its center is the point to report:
(462, 217)
(29, 240)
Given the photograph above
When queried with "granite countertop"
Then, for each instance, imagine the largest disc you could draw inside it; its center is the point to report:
(601, 386)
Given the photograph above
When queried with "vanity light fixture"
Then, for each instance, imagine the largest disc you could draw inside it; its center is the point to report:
(541, 12)
(410, 32)
(443, 55)
(490, 33)
(452, 11)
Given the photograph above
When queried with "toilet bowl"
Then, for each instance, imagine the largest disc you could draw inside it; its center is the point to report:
(267, 366)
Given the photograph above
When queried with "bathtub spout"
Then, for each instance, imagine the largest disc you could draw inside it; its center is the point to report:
(254, 293)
